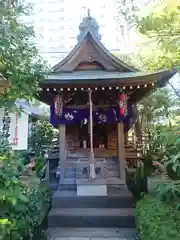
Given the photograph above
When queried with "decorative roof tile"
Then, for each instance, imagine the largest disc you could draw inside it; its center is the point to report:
(89, 23)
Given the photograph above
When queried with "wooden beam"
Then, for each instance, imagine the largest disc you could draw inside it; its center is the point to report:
(62, 156)
(141, 93)
(92, 160)
(121, 151)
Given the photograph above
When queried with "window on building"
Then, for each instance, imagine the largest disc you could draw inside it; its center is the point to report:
(61, 28)
(103, 6)
(39, 29)
(61, 18)
(61, 10)
(61, 47)
(103, 26)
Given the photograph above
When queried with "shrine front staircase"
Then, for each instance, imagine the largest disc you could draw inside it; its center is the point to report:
(92, 217)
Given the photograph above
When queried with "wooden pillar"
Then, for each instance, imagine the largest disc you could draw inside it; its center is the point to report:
(121, 152)
(91, 157)
(62, 148)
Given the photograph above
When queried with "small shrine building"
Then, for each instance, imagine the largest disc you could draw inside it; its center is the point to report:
(92, 95)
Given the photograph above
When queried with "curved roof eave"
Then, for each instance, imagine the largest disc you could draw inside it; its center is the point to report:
(161, 76)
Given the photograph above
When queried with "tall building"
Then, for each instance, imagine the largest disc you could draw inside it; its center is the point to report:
(56, 25)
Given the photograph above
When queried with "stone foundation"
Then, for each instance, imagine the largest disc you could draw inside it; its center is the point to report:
(91, 187)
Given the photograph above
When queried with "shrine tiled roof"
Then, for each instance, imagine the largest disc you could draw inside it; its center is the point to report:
(112, 77)
(91, 65)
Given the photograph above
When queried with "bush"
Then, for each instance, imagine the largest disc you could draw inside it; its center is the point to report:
(137, 183)
(6, 230)
(168, 192)
(23, 204)
(21, 220)
(156, 220)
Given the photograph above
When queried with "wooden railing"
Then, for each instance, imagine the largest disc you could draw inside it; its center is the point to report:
(133, 152)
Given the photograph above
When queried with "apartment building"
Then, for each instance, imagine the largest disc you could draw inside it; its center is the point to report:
(56, 23)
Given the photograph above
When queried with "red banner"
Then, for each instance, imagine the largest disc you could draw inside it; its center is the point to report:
(122, 104)
(58, 105)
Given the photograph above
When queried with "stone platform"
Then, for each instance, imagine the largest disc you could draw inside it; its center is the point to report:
(74, 217)
(91, 187)
(91, 234)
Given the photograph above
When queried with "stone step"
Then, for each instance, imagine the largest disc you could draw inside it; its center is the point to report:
(74, 201)
(77, 238)
(111, 212)
(92, 217)
(66, 190)
(91, 233)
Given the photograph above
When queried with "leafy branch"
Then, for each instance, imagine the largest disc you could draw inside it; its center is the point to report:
(20, 63)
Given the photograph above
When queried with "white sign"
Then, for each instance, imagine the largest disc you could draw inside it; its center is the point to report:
(18, 129)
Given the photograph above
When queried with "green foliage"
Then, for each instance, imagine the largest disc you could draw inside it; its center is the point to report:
(20, 62)
(22, 207)
(162, 26)
(159, 30)
(156, 115)
(164, 148)
(22, 219)
(157, 221)
(171, 153)
(7, 228)
(42, 134)
(128, 9)
(10, 189)
(45, 132)
(160, 137)
(168, 191)
(159, 106)
(40, 163)
(28, 216)
(137, 182)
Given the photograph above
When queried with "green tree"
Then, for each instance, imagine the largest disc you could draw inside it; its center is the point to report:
(154, 55)
(160, 28)
(41, 137)
(128, 9)
(162, 25)
(20, 63)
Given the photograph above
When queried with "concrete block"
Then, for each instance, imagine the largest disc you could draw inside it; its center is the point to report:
(92, 190)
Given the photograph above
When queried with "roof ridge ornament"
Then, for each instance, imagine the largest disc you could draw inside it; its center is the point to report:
(88, 23)
(89, 14)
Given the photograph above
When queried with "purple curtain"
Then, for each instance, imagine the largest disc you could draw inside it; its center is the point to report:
(111, 115)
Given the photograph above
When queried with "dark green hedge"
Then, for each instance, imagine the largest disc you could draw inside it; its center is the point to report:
(156, 220)
(26, 220)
